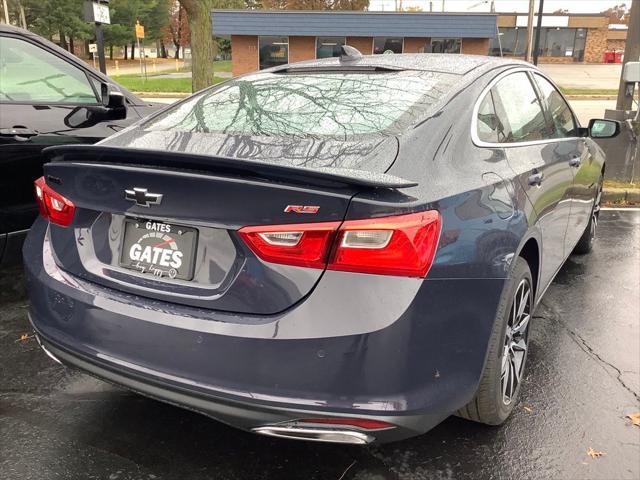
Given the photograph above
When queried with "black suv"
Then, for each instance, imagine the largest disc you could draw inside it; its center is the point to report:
(47, 97)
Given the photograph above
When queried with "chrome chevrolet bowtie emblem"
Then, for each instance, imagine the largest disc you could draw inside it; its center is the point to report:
(142, 197)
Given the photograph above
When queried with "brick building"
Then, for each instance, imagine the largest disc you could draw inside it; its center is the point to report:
(261, 39)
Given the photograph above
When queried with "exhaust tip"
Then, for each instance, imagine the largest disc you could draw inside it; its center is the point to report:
(316, 434)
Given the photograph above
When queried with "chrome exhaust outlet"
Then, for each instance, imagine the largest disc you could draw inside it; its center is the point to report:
(316, 434)
(45, 350)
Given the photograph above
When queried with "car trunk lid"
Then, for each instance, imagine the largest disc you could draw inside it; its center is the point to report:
(164, 224)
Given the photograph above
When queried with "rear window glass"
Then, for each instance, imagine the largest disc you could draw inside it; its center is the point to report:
(321, 104)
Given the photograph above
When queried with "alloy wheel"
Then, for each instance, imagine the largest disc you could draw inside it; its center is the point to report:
(515, 342)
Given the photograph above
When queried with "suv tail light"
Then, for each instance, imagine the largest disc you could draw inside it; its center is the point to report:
(402, 245)
(53, 206)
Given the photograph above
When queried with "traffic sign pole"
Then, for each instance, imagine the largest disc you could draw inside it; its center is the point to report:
(97, 12)
(100, 41)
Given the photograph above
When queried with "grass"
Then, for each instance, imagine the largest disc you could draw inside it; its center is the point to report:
(589, 91)
(222, 66)
(622, 185)
(158, 85)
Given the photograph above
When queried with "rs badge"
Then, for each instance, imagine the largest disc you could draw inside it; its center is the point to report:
(301, 209)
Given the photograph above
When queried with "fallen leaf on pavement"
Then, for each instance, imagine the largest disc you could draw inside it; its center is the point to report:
(528, 410)
(24, 337)
(593, 454)
(635, 418)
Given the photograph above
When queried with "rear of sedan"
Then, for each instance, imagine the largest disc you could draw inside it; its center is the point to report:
(245, 254)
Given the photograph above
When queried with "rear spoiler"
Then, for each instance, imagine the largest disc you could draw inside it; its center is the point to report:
(99, 154)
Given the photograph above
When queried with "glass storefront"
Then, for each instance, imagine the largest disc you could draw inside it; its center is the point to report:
(329, 46)
(446, 45)
(554, 42)
(273, 51)
(387, 45)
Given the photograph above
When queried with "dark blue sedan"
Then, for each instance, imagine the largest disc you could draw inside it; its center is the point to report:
(345, 250)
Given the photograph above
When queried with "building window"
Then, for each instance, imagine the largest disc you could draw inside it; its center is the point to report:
(513, 41)
(273, 51)
(387, 45)
(327, 47)
(554, 42)
(446, 45)
(557, 42)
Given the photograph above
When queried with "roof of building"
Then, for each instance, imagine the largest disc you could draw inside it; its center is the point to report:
(356, 24)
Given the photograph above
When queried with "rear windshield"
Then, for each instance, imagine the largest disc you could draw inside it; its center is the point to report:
(338, 105)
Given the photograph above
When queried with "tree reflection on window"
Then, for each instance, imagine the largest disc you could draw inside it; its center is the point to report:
(338, 105)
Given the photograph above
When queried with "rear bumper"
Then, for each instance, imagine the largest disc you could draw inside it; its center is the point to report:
(412, 371)
(243, 415)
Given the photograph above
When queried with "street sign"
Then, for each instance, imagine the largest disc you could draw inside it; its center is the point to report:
(139, 30)
(95, 12)
(93, 48)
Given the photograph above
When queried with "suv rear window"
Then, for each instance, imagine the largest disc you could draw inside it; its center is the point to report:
(332, 104)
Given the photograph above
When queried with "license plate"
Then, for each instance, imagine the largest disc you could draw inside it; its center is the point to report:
(160, 249)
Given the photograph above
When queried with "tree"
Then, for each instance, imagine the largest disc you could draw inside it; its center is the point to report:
(616, 13)
(315, 4)
(177, 30)
(203, 45)
(56, 17)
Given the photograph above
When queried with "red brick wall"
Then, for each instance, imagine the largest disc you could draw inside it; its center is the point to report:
(302, 48)
(364, 44)
(475, 46)
(415, 45)
(244, 54)
(616, 44)
(596, 45)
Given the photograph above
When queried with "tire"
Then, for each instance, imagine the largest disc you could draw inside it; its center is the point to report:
(585, 244)
(491, 405)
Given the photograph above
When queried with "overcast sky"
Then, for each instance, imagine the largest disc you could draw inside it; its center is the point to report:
(574, 6)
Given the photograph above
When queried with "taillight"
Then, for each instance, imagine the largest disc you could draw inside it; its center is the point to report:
(53, 206)
(303, 245)
(402, 245)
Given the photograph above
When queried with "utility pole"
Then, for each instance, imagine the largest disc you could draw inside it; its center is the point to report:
(442, 5)
(529, 50)
(536, 49)
(631, 54)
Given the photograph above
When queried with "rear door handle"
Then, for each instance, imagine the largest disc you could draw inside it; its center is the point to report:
(575, 161)
(536, 179)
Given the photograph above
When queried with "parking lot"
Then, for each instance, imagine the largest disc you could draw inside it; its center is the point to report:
(583, 379)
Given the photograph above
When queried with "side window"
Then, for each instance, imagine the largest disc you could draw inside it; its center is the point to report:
(523, 119)
(487, 120)
(30, 74)
(563, 122)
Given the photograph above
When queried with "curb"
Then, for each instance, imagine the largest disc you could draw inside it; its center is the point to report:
(161, 94)
(621, 195)
(591, 97)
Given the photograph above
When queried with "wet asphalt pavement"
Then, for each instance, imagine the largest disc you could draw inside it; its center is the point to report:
(583, 379)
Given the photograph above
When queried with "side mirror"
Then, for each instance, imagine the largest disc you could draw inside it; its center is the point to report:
(601, 128)
(112, 98)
